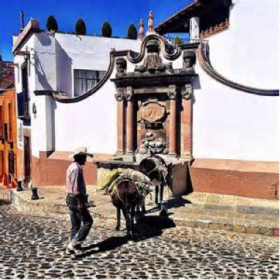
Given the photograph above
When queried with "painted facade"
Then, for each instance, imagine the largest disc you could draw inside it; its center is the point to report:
(48, 126)
(8, 138)
(236, 133)
(8, 126)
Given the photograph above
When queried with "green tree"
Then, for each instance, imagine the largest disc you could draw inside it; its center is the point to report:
(80, 27)
(132, 32)
(52, 24)
(178, 40)
(106, 29)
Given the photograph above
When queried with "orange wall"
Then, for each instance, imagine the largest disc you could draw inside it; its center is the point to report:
(8, 116)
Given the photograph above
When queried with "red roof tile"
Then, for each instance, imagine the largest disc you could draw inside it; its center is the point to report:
(7, 78)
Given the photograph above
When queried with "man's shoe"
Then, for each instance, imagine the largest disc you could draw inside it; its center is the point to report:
(73, 249)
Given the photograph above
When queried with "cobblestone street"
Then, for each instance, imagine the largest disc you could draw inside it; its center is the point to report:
(34, 247)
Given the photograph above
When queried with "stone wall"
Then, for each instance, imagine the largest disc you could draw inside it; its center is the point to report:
(241, 178)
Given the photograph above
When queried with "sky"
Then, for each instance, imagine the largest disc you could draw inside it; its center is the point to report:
(119, 13)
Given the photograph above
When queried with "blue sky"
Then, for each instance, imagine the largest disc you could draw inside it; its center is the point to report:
(120, 13)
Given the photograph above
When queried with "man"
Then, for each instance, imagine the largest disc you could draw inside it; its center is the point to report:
(81, 220)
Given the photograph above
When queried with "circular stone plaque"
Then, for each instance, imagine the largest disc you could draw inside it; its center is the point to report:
(152, 112)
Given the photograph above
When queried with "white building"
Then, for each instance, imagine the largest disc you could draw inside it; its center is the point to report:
(71, 65)
(235, 121)
(235, 133)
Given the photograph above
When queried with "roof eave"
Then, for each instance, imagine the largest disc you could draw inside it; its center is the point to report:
(32, 27)
(185, 11)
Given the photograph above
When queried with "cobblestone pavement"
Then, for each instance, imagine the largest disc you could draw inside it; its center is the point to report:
(34, 247)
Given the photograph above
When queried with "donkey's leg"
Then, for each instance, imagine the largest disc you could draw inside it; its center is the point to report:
(161, 192)
(138, 209)
(143, 206)
(118, 218)
(128, 222)
(132, 220)
(156, 194)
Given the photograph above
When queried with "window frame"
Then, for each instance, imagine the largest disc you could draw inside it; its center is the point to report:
(86, 79)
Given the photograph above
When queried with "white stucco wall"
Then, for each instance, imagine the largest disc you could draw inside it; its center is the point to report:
(86, 53)
(93, 121)
(90, 123)
(227, 124)
(230, 124)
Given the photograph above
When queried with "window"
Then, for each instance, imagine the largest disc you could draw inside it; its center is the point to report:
(84, 80)
(25, 94)
(24, 78)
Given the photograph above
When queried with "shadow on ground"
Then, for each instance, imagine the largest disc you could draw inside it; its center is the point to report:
(4, 202)
(146, 227)
(151, 226)
(178, 202)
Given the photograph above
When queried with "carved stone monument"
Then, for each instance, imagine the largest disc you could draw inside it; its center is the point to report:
(155, 107)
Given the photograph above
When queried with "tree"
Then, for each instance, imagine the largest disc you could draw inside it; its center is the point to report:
(132, 32)
(80, 27)
(52, 24)
(178, 40)
(106, 29)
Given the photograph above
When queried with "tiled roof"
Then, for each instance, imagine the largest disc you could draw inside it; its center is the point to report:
(209, 12)
(7, 79)
(179, 13)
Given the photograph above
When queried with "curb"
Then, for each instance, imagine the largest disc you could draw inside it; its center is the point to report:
(41, 209)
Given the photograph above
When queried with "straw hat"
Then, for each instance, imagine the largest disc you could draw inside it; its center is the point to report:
(80, 151)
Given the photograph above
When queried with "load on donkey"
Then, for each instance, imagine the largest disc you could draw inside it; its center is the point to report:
(128, 189)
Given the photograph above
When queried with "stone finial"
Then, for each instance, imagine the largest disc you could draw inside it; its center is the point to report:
(141, 30)
(121, 66)
(189, 60)
(21, 20)
(151, 22)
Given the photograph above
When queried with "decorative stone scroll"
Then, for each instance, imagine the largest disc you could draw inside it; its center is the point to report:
(153, 63)
(129, 93)
(120, 94)
(172, 92)
(187, 93)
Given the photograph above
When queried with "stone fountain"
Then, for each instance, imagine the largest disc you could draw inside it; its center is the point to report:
(154, 109)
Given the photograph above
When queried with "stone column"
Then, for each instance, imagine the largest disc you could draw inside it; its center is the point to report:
(172, 121)
(187, 122)
(129, 121)
(120, 121)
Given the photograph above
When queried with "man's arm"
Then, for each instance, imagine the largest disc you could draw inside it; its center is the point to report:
(80, 190)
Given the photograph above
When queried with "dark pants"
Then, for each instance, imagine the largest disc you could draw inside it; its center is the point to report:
(81, 224)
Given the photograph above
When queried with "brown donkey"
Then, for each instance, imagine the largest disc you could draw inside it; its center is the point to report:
(126, 197)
